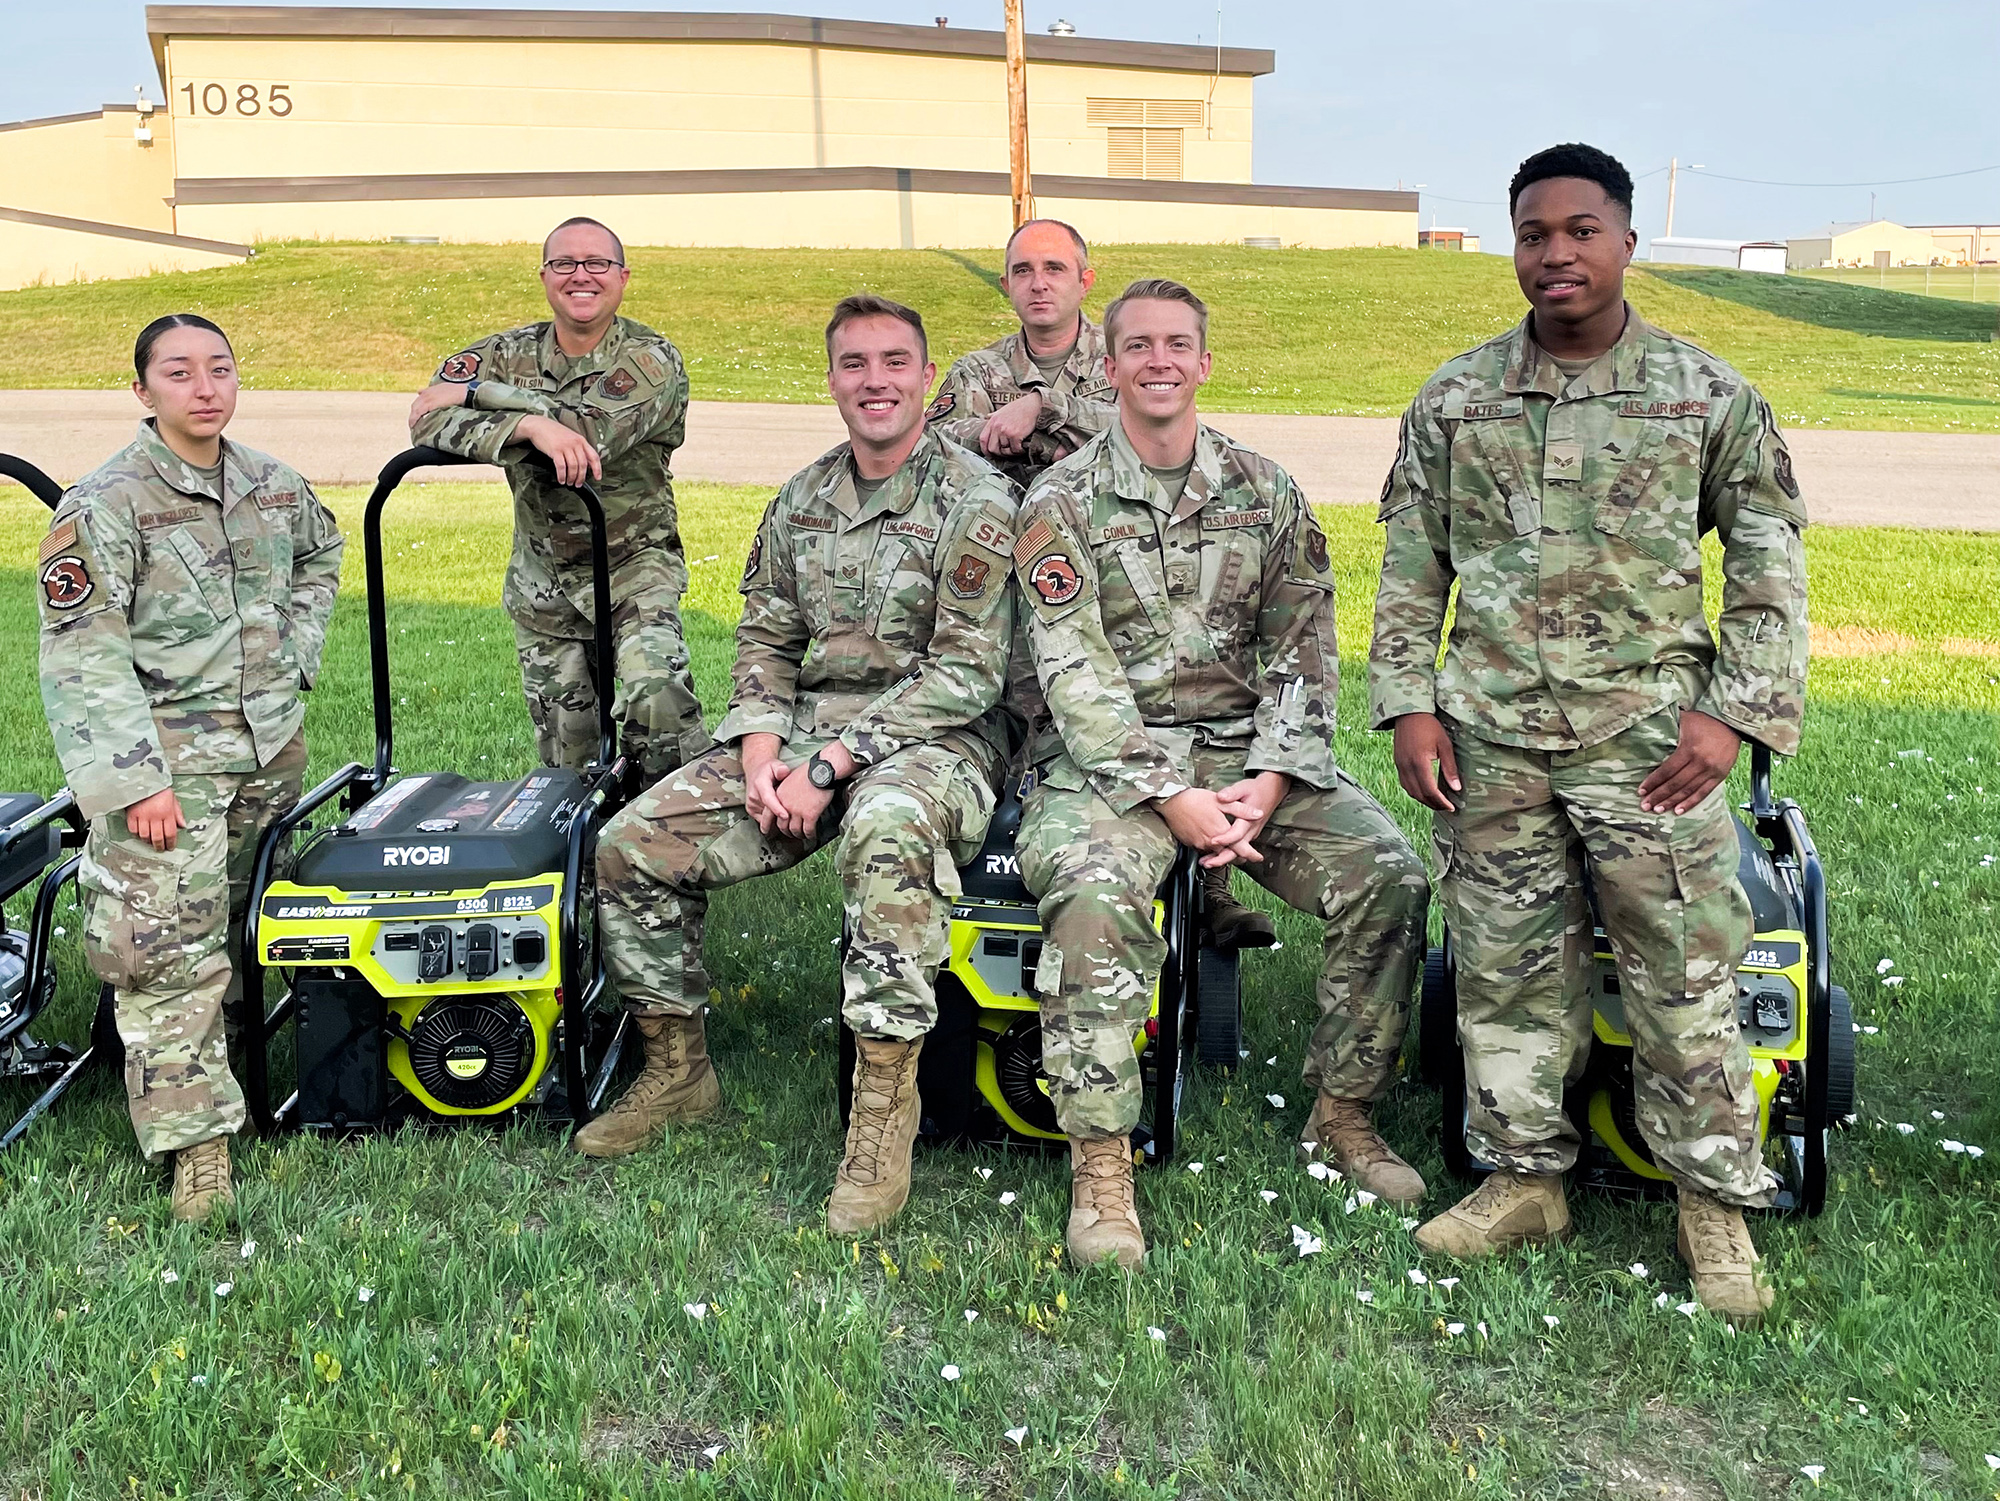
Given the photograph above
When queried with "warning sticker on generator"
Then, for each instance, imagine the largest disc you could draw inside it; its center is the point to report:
(388, 802)
(321, 948)
(526, 804)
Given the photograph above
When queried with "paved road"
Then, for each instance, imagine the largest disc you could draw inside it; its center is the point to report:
(343, 437)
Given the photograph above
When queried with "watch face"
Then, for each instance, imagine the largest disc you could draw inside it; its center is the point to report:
(820, 773)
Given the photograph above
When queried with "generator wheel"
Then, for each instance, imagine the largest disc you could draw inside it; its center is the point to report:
(1218, 1009)
(1839, 1062)
(1437, 1023)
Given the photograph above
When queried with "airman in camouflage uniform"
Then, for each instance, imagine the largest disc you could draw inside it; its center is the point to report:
(1184, 639)
(628, 399)
(180, 621)
(1076, 404)
(875, 632)
(1569, 506)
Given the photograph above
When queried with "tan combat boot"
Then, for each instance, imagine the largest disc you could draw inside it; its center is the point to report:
(201, 1180)
(1728, 1272)
(1231, 925)
(1509, 1209)
(677, 1083)
(1103, 1220)
(1339, 1134)
(873, 1184)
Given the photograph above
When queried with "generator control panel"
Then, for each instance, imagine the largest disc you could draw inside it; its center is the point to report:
(512, 950)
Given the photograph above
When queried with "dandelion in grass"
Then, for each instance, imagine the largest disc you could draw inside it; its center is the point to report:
(1155, 1333)
(695, 1311)
(1015, 1435)
(950, 1373)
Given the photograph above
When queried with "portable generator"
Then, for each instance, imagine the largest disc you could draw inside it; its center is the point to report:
(1797, 1024)
(437, 942)
(980, 1074)
(38, 843)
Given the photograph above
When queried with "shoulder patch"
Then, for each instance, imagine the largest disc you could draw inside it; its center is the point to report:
(991, 534)
(1038, 535)
(1781, 470)
(618, 384)
(461, 367)
(1055, 579)
(66, 582)
(750, 564)
(968, 579)
(654, 364)
(62, 535)
(941, 406)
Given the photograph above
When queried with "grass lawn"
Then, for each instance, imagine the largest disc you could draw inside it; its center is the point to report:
(1964, 283)
(1353, 331)
(475, 1313)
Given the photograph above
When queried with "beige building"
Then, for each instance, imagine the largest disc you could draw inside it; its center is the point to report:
(1881, 243)
(681, 129)
(1964, 244)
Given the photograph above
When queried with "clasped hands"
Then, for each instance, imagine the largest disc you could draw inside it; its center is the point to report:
(1223, 825)
(782, 798)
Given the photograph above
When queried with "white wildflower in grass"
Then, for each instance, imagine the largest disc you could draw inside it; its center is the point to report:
(1267, 1194)
(984, 1173)
(1319, 1170)
(1363, 1295)
(1937, 1115)
(170, 1276)
(1015, 1435)
(1812, 1472)
(1892, 981)
(1906, 1128)
(1885, 966)
(1308, 1146)
(1305, 1241)
(695, 1311)
(1194, 1167)
(971, 1314)
(1277, 1101)
(249, 1249)
(1007, 1198)
(1551, 1320)
(1872, 1031)
(198, 1380)
(1454, 1330)
(1956, 1148)
(60, 932)
(224, 1289)
(1972, 1151)
(1858, 1405)
(711, 1453)
(1689, 1308)
(1364, 1198)
(1408, 1223)
(1417, 1278)
(364, 1294)
(1481, 1327)
(1350, 1206)
(1155, 1333)
(1993, 1461)
(1639, 1270)
(1447, 1283)
(1272, 1061)
(950, 1373)
(1662, 1301)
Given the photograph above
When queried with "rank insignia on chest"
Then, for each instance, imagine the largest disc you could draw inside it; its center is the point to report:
(460, 367)
(1055, 578)
(67, 582)
(617, 385)
(969, 577)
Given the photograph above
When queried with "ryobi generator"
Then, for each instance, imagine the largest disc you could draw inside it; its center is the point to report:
(980, 1074)
(1797, 1023)
(437, 943)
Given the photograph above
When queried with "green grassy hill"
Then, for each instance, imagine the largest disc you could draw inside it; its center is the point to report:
(1295, 331)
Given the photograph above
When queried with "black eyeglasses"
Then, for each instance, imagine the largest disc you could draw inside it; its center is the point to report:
(596, 265)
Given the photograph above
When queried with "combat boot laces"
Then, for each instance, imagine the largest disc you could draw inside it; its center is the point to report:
(1341, 1134)
(1101, 1186)
(208, 1168)
(875, 1120)
(666, 1061)
(873, 1183)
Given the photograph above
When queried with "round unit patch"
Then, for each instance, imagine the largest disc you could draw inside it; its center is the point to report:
(67, 582)
(1055, 579)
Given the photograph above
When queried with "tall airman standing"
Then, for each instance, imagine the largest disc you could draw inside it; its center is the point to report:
(185, 590)
(1179, 603)
(877, 621)
(1585, 718)
(604, 399)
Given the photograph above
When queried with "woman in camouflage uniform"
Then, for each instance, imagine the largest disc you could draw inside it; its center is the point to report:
(185, 587)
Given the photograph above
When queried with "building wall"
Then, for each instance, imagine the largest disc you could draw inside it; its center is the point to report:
(337, 106)
(90, 167)
(1962, 244)
(1808, 253)
(1906, 247)
(41, 249)
(861, 218)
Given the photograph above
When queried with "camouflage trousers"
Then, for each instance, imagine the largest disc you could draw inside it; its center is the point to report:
(1511, 863)
(656, 708)
(162, 928)
(1334, 854)
(902, 827)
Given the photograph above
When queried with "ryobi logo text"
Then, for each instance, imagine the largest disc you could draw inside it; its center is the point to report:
(1002, 865)
(417, 854)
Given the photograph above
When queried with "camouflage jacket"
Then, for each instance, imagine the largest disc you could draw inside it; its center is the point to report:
(1571, 514)
(1075, 408)
(179, 626)
(628, 396)
(1155, 628)
(883, 625)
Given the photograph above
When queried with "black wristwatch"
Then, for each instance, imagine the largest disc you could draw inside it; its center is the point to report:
(472, 395)
(820, 772)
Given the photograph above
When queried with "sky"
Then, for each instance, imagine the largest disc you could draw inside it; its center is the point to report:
(1452, 94)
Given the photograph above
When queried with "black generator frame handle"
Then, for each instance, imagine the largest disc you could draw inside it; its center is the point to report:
(393, 474)
(31, 478)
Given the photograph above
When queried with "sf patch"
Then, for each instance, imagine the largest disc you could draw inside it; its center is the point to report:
(969, 577)
(460, 367)
(941, 406)
(617, 385)
(67, 582)
(1055, 579)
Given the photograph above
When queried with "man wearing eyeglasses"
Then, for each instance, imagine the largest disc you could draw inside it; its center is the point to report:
(605, 399)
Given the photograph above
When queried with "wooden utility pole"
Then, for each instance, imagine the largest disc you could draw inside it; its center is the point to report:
(1017, 117)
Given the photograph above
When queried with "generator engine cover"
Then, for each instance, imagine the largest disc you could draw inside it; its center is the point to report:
(437, 831)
